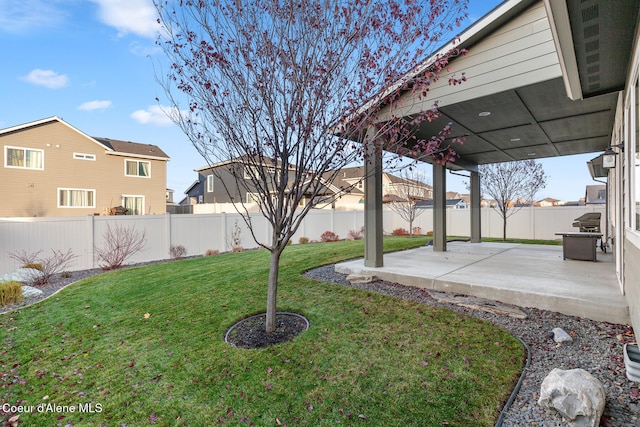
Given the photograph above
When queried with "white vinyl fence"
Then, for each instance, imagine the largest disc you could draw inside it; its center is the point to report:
(201, 232)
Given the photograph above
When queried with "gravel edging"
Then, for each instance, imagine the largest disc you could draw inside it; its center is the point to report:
(597, 347)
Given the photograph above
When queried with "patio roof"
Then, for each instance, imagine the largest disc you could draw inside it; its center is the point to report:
(516, 104)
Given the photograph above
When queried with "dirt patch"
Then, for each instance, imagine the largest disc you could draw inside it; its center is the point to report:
(250, 332)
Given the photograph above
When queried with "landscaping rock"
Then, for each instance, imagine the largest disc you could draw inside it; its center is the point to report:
(359, 279)
(477, 303)
(560, 336)
(23, 275)
(576, 394)
(30, 291)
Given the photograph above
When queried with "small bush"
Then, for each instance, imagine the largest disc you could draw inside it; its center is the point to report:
(430, 233)
(120, 243)
(417, 231)
(237, 249)
(303, 240)
(177, 251)
(66, 275)
(329, 236)
(211, 252)
(356, 235)
(10, 293)
(400, 232)
(43, 268)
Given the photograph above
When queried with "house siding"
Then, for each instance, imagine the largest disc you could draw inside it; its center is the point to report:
(519, 53)
(29, 192)
(632, 282)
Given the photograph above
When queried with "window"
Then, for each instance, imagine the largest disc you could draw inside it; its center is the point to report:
(253, 198)
(137, 168)
(76, 198)
(133, 204)
(83, 156)
(23, 158)
(209, 183)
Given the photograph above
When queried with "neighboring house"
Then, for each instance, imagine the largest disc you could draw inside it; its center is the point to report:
(349, 187)
(595, 195)
(50, 168)
(216, 187)
(549, 201)
(450, 203)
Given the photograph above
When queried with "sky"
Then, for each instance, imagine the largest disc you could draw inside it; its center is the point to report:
(94, 64)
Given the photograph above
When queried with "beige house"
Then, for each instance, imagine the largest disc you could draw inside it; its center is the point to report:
(348, 186)
(50, 168)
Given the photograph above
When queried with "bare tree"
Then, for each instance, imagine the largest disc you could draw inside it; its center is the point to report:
(408, 190)
(511, 184)
(281, 85)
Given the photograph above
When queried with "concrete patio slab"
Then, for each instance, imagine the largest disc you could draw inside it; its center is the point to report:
(523, 275)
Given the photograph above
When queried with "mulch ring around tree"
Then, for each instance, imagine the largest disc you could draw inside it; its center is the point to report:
(250, 332)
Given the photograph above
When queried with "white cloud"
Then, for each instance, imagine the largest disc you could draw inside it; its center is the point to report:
(46, 78)
(20, 16)
(94, 105)
(155, 115)
(129, 16)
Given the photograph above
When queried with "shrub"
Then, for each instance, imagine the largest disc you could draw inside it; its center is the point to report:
(43, 268)
(303, 240)
(211, 252)
(66, 275)
(356, 235)
(430, 233)
(121, 243)
(329, 236)
(177, 251)
(417, 231)
(400, 232)
(236, 249)
(10, 293)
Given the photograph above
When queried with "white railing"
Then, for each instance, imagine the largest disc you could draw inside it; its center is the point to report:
(201, 232)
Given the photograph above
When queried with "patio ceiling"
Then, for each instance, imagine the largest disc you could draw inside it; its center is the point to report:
(540, 120)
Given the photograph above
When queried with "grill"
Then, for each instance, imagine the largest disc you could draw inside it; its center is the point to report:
(588, 223)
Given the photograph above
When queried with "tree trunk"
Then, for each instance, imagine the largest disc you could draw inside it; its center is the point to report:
(411, 228)
(504, 228)
(272, 291)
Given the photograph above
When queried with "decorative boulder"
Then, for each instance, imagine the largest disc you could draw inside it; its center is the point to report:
(576, 394)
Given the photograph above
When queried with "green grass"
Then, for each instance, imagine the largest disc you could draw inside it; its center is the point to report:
(557, 242)
(367, 359)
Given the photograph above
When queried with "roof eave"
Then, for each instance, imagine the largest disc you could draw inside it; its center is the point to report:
(561, 30)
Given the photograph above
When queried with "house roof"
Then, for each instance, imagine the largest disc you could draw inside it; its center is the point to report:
(133, 148)
(429, 203)
(111, 146)
(515, 104)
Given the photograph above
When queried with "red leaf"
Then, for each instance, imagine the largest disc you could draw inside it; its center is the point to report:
(153, 418)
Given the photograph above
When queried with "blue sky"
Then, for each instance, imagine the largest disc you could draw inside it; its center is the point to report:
(94, 63)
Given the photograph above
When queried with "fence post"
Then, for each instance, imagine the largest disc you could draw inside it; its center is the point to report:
(167, 234)
(224, 232)
(91, 242)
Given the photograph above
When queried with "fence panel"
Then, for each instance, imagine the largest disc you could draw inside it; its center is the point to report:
(200, 232)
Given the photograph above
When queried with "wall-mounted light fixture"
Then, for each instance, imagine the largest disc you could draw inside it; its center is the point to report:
(609, 156)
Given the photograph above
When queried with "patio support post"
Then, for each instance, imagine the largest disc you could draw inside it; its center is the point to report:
(439, 208)
(476, 233)
(372, 202)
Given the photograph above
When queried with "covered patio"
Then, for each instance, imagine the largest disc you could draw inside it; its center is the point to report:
(518, 274)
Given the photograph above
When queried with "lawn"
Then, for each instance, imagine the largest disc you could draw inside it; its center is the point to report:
(144, 346)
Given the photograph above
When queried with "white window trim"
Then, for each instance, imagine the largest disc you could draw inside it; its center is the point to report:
(138, 162)
(84, 156)
(75, 189)
(6, 157)
(134, 195)
(209, 183)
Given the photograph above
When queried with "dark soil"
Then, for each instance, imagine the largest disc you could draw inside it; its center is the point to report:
(250, 332)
